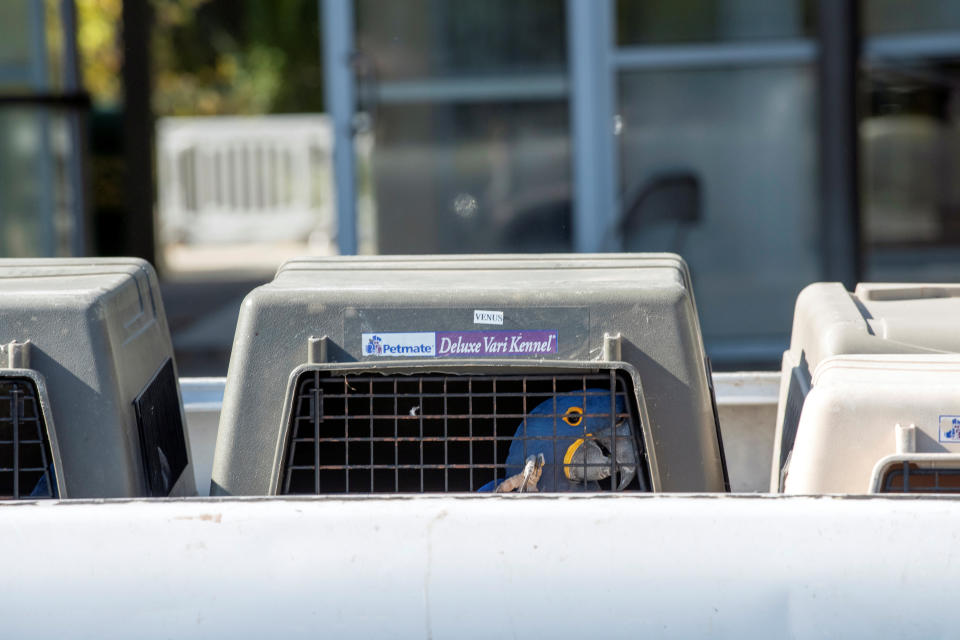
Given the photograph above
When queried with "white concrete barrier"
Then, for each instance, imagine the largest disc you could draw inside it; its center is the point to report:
(529, 566)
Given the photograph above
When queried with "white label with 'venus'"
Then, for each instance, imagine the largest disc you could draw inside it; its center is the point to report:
(487, 317)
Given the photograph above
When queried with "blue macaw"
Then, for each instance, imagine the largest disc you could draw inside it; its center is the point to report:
(558, 446)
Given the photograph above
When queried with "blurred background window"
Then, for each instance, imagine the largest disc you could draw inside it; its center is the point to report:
(468, 106)
(894, 17)
(41, 168)
(751, 236)
(723, 93)
(910, 140)
(711, 128)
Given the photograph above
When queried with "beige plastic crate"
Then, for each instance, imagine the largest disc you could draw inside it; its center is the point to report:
(866, 412)
(874, 319)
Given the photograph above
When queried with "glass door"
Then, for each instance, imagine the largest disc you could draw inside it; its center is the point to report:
(41, 186)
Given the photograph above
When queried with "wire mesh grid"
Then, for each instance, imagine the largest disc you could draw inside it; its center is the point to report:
(456, 433)
(905, 477)
(26, 469)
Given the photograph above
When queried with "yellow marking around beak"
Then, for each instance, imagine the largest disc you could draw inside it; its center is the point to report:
(568, 456)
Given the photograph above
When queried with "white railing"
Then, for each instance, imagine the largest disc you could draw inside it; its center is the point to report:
(245, 179)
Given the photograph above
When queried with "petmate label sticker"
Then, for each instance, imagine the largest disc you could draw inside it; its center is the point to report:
(949, 428)
(459, 344)
(487, 317)
(399, 345)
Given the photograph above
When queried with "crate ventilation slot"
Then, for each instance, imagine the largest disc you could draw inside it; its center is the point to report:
(26, 465)
(905, 477)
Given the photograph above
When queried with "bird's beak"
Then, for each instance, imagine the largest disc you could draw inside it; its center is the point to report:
(584, 461)
(619, 442)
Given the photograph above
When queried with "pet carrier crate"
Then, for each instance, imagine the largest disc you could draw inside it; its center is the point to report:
(874, 319)
(469, 373)
(880, 423)
(89, 401)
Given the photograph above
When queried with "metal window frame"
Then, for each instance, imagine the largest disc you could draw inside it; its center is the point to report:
(714, 54)
(44, 161)
(935, 44)
(593, 62)
(595, 158)
(79, 150)
(901, 51)
(74, 103)
(835, 51)
(514, 88)
(340, 91)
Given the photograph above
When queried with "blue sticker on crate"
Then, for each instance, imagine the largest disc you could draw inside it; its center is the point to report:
(950, 429)
(460, 344)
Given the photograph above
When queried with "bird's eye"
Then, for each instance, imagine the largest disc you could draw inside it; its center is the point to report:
(573, 416)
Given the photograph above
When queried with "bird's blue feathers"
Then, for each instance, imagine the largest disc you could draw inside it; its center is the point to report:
(551, 428)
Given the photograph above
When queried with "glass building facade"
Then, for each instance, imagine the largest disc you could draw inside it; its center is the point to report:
(717, 137)
(41, 165)
(692, 126)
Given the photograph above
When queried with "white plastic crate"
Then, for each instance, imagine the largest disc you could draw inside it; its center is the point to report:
(876, 318)
(866, 413)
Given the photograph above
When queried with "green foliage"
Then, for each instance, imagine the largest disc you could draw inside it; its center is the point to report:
(217, 57)
(98, 24)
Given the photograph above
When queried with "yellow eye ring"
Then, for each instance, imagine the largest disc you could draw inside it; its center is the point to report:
(573, 416)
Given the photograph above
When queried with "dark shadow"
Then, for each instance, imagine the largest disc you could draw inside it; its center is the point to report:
(685, 461)
(926, 443)
(67, 395)
(336, 353)
(547, 227)
(671, 200)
